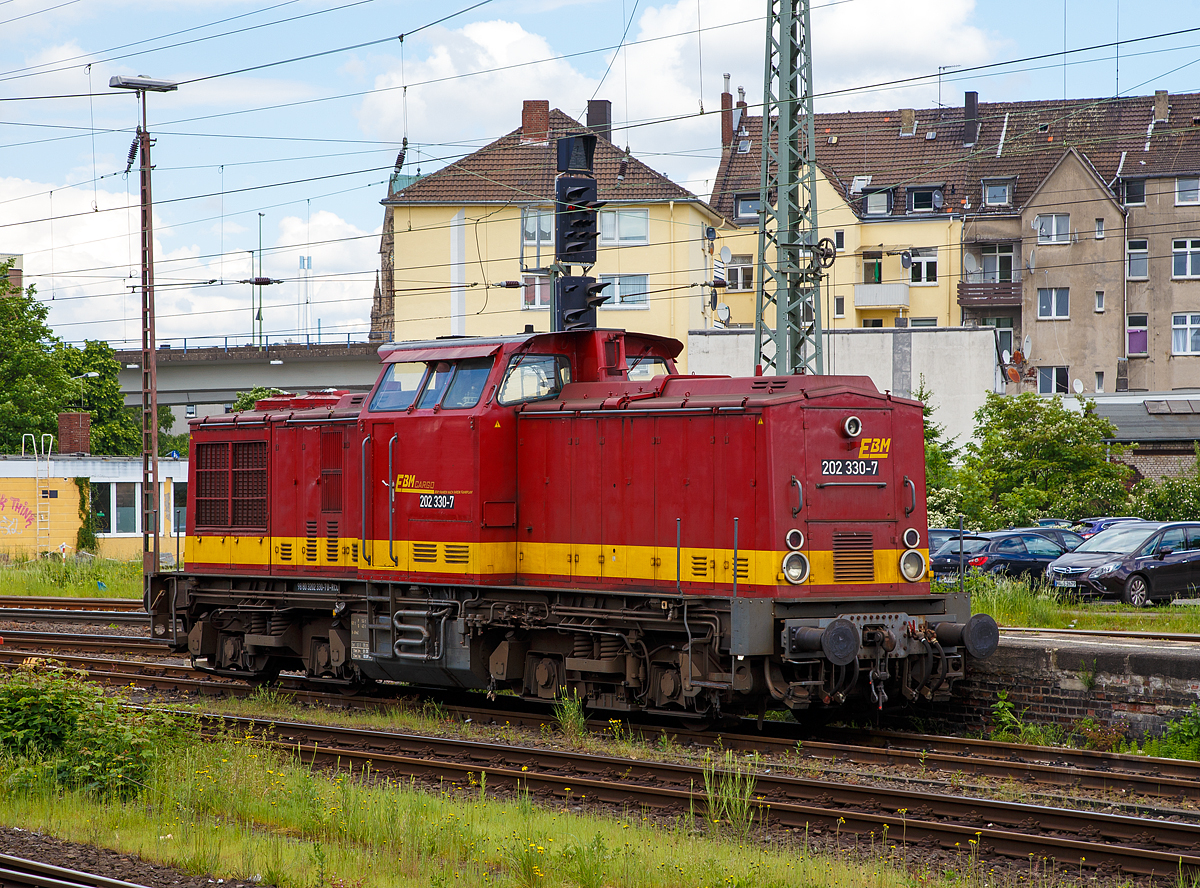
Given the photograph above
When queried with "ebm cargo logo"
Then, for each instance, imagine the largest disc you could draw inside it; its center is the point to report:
(874, 448)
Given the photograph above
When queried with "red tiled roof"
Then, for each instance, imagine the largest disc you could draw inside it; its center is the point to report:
(1011, 143)
(511, 171)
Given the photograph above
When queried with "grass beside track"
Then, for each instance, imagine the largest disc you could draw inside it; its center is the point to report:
(91, 578)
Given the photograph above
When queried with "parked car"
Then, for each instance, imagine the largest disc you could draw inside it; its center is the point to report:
(1140, 561)
(1054, 522)
(1086, 527)
(1064, 536)
(1023, 553)
(939, 536)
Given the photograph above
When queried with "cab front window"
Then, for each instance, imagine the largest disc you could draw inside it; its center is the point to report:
(398, 388)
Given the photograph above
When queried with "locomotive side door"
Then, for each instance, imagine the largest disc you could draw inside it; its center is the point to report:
(382, 455)
(849, 477)
(586, 505)
(614, 533)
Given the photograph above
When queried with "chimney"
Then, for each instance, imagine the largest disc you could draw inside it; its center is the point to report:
(74, 433)
(535, 120)
(599, 117)
(970, 118)
(726, 116)
(1160, 105)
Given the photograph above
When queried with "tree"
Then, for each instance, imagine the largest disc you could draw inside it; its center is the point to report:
(33, 381)
(1034, 457)
(941, 477)
(245, 400)
(116, 429)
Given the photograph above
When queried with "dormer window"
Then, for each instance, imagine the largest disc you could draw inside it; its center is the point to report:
(925, 199)
(997, 192)
(748, 206)
(877, 203)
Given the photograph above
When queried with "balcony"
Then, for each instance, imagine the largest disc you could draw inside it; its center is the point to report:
(881, 296)
(989, 295)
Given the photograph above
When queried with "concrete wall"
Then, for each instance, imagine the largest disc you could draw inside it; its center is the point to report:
(959, 364)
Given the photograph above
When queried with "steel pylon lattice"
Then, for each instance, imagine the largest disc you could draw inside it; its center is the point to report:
(787, 320)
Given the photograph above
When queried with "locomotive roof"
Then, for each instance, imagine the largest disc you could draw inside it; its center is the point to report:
(449, 348)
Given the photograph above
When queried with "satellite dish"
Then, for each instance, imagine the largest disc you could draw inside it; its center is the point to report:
(1077, 385)
(938, 199)
(1012, 374)
(1032, 262)
(906, 259)
(725, 255)
(1005, 357)
(970, 263)
(1018, 358)
(723, 314)
(1025, 350)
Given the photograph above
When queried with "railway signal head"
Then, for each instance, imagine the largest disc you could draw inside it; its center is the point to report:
(575, 228)
(577, 301)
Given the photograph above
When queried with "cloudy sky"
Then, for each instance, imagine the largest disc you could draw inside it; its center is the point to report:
(290, 113)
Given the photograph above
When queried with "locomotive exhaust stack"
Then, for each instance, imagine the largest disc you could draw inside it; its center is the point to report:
(564, 513)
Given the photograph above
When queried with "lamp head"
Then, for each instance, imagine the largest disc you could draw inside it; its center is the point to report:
(147, 84)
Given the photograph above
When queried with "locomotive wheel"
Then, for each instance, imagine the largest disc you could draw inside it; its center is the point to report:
(1137, 591)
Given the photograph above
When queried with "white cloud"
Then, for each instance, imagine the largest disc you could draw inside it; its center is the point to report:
(472, 108)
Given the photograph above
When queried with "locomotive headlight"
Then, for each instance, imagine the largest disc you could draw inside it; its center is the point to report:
(852, 427)
(912, 538)
(794, 539)
(912, 565)
(795, 567)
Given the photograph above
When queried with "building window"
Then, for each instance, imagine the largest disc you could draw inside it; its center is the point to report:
(872, 268)
(872, 322)
(535, 291)
(1054, 303)
(924, 265)
(625, 227)
(1052, 380)
(537, 226)
(1099, 383)
(747, 206)
(1135, 192)
(1099, 229)
(1055, 229)
(744, 146)
(626, 290)
(1185, 258)
(189, 410)
(179, 507)
(1099, 300)
(997, 194)
(1004, 331)
(102, 506)
(1185, 334)
(739, 274)
(923, 322)
(839, 239)
(1137, 262)
(839, 306)
(878, 203)
(1187, 190)
(1136, 331)
(997, 263)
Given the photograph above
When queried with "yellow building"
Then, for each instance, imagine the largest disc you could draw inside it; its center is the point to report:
(467, 250)
(41, 508)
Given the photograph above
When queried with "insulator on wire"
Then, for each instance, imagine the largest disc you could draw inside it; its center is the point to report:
(132, 153)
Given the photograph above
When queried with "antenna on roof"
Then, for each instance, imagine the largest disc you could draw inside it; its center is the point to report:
(942, 68)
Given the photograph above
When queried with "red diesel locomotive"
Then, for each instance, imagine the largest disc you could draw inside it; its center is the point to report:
(561, 512)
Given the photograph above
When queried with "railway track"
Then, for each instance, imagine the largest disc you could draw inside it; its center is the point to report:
(927, 759)
(1087, 839)
(51, 602)
(1142, 634)
(17, 872)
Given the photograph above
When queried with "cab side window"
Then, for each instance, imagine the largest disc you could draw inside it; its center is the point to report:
(534, 377)
(465, 388)
(439, 375)
(641, 369)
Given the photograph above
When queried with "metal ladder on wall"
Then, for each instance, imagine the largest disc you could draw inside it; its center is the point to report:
(41, 450)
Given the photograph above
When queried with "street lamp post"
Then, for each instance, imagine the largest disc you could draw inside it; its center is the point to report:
(143, 85)
(91, 374)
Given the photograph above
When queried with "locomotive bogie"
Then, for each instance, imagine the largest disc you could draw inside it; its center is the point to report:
(532, 514)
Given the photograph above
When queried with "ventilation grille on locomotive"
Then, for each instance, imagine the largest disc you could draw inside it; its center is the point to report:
(331, 540)
(853, 558)
(699, 566)
(426, 553)
(310, 543)
(743, 568)
(331, 470)
(285, 551)
(248, 494)
(457, 553)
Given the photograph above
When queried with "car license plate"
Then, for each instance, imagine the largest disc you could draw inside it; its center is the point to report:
(1065, 584)
(946, 578)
